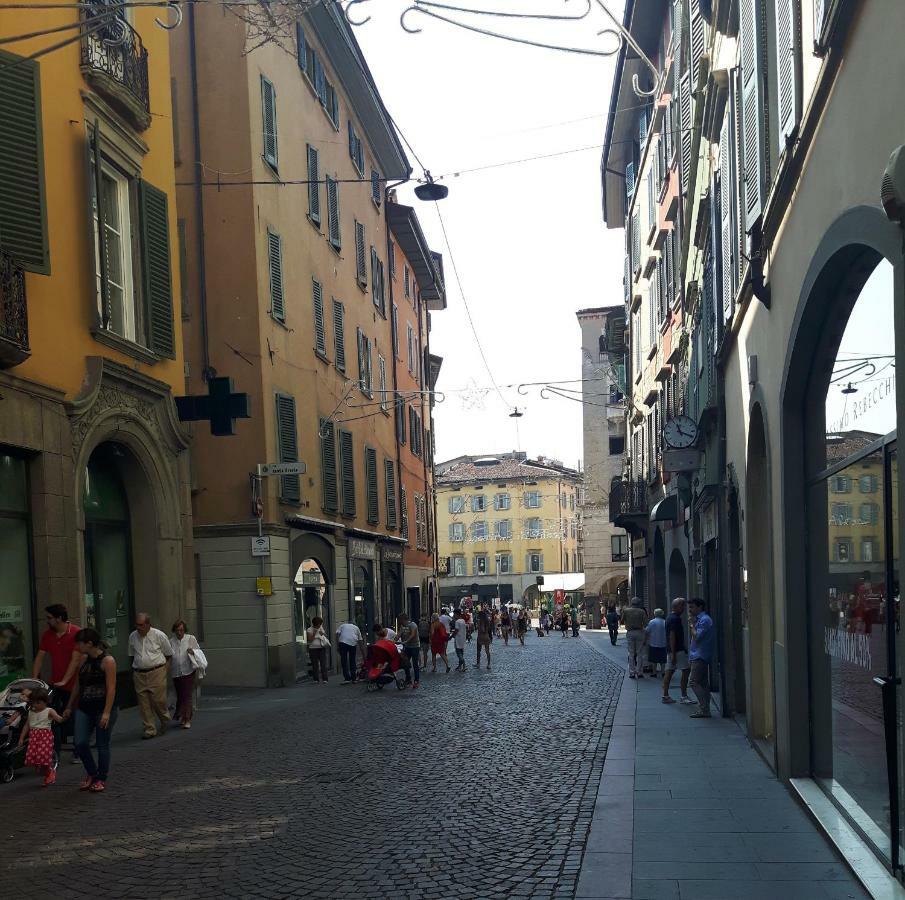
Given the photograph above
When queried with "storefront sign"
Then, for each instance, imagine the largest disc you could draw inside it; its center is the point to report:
(639, 548)
(847, 646)
(11, 614)
(362, 549)
(708, 524)
(391, 554)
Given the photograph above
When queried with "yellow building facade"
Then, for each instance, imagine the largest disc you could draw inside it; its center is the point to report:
(94, 478)
(503, 522)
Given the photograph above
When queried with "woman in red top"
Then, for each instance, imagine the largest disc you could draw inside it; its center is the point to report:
(439, 640)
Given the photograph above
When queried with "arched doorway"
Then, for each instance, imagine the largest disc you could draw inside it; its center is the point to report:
(658, 592)
(758, 598)
(363, 596)
(678, 577)
(311, 597)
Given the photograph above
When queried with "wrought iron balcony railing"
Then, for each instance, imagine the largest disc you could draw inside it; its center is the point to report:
(628, 498)
(13, 314)
(115, 61)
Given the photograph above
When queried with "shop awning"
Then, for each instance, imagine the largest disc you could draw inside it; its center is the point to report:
(570, 581)
(666, 510)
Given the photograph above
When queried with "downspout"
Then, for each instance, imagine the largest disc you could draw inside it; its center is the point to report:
(425, 357)
(206, 370)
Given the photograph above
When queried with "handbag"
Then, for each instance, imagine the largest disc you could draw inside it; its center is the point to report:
(199, 661)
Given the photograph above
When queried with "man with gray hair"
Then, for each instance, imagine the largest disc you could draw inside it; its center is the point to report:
(676, 654)
(634, 618)
(150, 650)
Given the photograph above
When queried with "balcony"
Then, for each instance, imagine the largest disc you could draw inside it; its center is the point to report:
(628, 502)
(115, 62)
(13, 314)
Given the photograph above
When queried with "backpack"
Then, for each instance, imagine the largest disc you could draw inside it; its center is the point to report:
(424, 631)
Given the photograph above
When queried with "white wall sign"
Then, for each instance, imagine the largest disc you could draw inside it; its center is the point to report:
(260, 546)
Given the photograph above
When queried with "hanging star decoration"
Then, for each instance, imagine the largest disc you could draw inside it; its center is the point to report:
(473, 395)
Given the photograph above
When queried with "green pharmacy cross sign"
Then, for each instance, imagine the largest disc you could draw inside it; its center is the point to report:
(221, 407)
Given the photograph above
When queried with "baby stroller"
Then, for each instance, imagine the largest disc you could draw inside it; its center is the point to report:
(382, 667)
(13, 716)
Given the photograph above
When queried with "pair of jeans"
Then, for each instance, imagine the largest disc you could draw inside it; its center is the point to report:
(85, 724)
(699, 682)
(614, 633)
(461, 655)
(318, 662)
(414, 655)
(347, 655)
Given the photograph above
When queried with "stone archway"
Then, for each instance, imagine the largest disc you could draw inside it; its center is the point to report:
(678, 577)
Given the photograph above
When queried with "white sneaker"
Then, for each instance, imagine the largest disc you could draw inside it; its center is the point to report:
(688, 701)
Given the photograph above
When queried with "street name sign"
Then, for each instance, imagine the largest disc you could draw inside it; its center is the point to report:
(291, 468)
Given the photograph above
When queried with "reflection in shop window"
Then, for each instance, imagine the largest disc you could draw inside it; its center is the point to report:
(843, 550)
(841, 484)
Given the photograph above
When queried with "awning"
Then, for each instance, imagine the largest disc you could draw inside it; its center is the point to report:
(571, 581)
(666, 510)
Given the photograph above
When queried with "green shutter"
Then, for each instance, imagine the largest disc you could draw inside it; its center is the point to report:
(339, 335)
(314, 195)
(347, 472)
(333, 212)
(328, 465)
(389, 468)
(288, 447)
(275, 263)
(405, 513)
(371, 477)
(23, 210)
(269, 115)
(155, 264)
(360, 266)
(320, 328)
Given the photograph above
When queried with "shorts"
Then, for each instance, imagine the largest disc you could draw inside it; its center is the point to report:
(679, 661)
(656, 654)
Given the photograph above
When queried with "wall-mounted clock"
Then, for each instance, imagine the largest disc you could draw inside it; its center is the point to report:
(680, 432)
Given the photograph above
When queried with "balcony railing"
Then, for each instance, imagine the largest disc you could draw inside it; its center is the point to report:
(115, 61)
(628, 498)
(13, 314)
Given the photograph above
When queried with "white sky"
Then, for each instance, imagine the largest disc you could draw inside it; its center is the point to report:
(529, 239)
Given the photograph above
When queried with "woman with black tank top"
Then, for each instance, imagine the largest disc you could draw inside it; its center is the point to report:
(94, 702)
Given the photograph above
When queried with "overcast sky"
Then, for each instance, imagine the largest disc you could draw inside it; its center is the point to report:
(528, 239)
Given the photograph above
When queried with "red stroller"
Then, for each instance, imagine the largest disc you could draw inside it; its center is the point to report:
(382, 666)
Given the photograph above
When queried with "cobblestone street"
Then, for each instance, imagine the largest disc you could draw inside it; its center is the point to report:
(332, 792)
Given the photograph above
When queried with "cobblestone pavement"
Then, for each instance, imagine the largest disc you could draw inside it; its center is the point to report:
(331, 792)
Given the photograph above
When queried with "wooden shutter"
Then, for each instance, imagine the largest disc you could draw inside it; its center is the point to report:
(369, 371)
(629, 185)
(269, 110)
(371, 478)
(155, 265)
(636, 240)
(347, 472)
(755, 127)
(359, 339)
(314, 192)
(382, 380)
(301, 47)
(375, 283)
(739, 239)
(375, 186)
(287, 446)
(724, 250)
(389, 472)
(23, 212)
(395, 330)
(275, 262)
(405, 514)
(678, 37)
(698, 34)
(400, 420)
(333, 212)
(320, 82)
(651, 199)
(320, 328)
(685, 132)
(339, 335)
(788, 72)
(328, 465)
(360, 264)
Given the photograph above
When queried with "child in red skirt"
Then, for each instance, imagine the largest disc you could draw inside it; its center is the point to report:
(39, 731)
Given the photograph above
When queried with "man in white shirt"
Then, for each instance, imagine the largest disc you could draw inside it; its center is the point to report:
(150, 650)
(348, 639)
(446, 620)
(460, 632)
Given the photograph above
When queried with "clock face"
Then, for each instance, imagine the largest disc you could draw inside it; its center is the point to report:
(680, 432)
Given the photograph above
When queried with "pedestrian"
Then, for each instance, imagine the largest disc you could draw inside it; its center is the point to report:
(151, 652)
(469, 629)
(318, 645)
(575, 623)
(58, 642)
(349, 639)
(701, 655)
(522, 626)
(93, 700)
(564, 623)
(424, 637)
(385, 632)
(446, 619)
(182, 670)
(38, 729)
(411, 647)
(485, 636)
(612, 623)
(634, 618)
(461, 636)
(676, 654)
(655, 638)
(505, 625)
(439, 640)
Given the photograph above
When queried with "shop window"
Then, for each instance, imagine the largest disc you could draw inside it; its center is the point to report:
(16, 617)
(480, 565)
(458, 566)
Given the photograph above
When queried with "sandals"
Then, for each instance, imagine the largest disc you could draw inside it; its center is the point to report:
(98, 787)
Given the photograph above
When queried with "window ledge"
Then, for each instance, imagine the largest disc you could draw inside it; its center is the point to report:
(274, 170)
(276, 321)
(315, 223)
(321, 356)
(124, 345)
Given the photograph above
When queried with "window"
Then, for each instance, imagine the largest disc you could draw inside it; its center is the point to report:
(389, 476)
(479, 531)
(404, 504)
(361, 272)
(870, 550)
(535, 561)
(269, 114)
(532, 499)
(375, 187)
(502, 501)
(458, 567)
(339, 335)
(287, 447)
(347, 472)
(410, 334)
(320, 328)
(867, 484)
(478, 503)
(869, 513)
(395, 331)
(421, 521)
(617, 445)
(534, 528)
(842, 550)
(333, 213)
(841, 484)
(504, 564)
(306, 54)
(314, 188)
(328, 466)
(456, 505)
(356, 150)
(619, 546)
(382, 383)
(405, 281)
(571, 501)
(415, 430)
(371, 482)
(503, 530)
(841, 513)
(331, 103)
(573, 529)
(275, 262)
(457, 532)
(378, 286)
(479, 564)
(364, 363)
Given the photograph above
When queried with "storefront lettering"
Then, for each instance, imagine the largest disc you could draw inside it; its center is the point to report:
(361, 549)
(847, 646)
(859, 408)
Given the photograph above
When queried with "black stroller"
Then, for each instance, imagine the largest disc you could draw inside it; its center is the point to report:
(13, 716)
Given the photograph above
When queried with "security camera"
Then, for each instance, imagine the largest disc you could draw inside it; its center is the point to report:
(892, 192)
